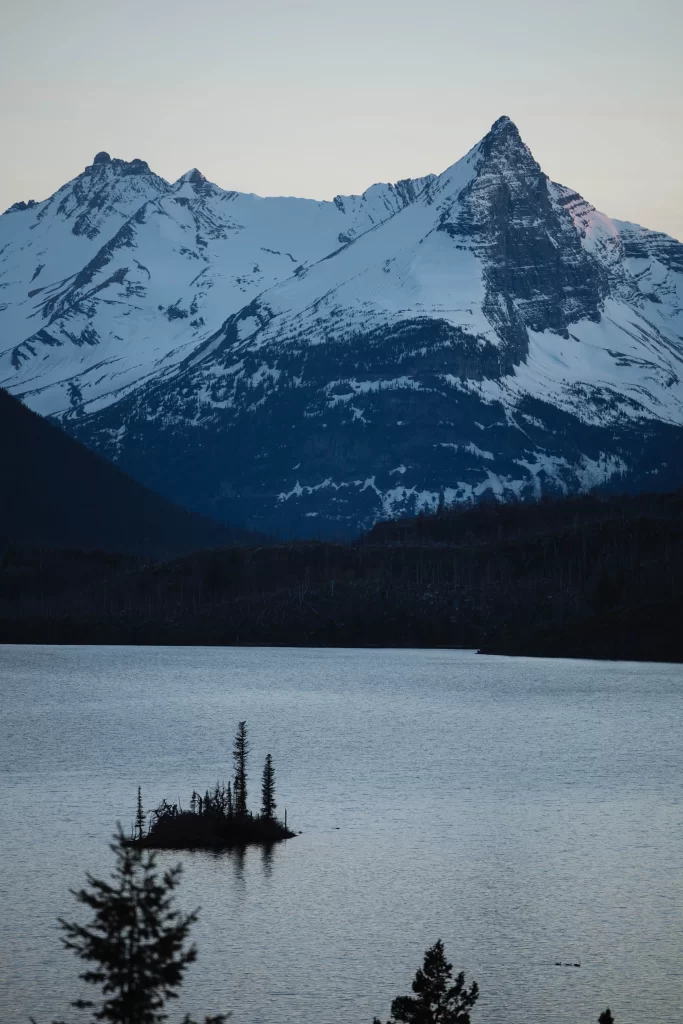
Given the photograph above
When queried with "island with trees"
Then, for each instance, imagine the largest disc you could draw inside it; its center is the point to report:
(218, 819)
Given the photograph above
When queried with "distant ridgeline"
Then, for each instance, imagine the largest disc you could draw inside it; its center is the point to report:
(220, 818)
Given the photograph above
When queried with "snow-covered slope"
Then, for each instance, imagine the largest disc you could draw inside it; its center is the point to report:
(310, 367)
(120, 273)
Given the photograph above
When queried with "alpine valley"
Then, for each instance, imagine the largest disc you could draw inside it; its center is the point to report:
(308, 368)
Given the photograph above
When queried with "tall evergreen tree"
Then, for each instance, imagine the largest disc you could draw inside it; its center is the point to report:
(139, 818)
(240, 751)
(268, 804)
(436, 1000)
(136, 942)
(606, 1017)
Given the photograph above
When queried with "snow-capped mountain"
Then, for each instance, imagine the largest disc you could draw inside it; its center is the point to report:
(120, 274)
(310, 367)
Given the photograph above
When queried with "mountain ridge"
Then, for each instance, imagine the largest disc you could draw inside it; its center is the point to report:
(480, 331)
(187, 222)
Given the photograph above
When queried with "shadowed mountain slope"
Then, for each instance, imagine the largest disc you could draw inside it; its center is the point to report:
(54, 492)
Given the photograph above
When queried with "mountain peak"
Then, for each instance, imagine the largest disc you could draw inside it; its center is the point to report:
(503, 124)
(504, 130)
(503, 140)
(102, 161)
(193, 177)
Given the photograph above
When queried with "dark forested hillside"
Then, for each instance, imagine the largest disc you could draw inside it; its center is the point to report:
(593, 576)
(54, 492)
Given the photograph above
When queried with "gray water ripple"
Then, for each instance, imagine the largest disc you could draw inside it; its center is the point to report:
(525, 811)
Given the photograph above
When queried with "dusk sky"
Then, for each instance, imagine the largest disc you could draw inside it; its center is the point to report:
(318, 98)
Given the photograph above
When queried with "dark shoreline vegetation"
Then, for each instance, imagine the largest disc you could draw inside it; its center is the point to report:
(220, 819)
(592, 576)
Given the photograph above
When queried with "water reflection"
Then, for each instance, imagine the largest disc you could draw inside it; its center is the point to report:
(237, 858)
(267, 854)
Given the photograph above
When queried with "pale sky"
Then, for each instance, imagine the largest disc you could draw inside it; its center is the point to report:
(315, 98)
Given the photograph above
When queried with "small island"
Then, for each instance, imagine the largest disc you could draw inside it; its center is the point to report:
(220, 819)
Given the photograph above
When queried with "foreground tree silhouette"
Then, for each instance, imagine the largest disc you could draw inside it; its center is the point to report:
(606, 1017)
(436, 1000)
(268, 804)
(136, 940)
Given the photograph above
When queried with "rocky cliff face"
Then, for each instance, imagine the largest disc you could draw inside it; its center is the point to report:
(311, 367)
(536, 273)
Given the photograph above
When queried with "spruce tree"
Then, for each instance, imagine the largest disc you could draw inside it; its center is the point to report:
(436, 1000)
(139, 818)
(606, 1017)
(268, 804)
(136, 942)
(240, 751)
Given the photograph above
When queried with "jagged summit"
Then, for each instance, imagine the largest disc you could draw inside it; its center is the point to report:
(503, 124)
(193, 184)
(192, 177)
(102, 162)
(503, 138)
(21, 205)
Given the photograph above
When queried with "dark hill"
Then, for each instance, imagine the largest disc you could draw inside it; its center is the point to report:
(594, 576)
(56, 493)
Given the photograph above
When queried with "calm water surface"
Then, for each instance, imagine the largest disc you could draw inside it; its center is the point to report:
(525, 811)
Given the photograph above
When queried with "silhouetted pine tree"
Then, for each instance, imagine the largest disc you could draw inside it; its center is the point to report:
(240, 751)
(135, 944)
(606, 1017)
(436, 1000)
(139, 817)
(268, 804)
(231, 808)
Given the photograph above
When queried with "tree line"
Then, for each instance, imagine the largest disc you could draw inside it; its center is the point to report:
(589, 576)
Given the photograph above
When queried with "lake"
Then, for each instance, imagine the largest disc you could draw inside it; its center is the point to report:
(523, 810)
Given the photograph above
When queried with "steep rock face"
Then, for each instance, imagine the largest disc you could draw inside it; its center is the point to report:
(308, 368)
(537, 274)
